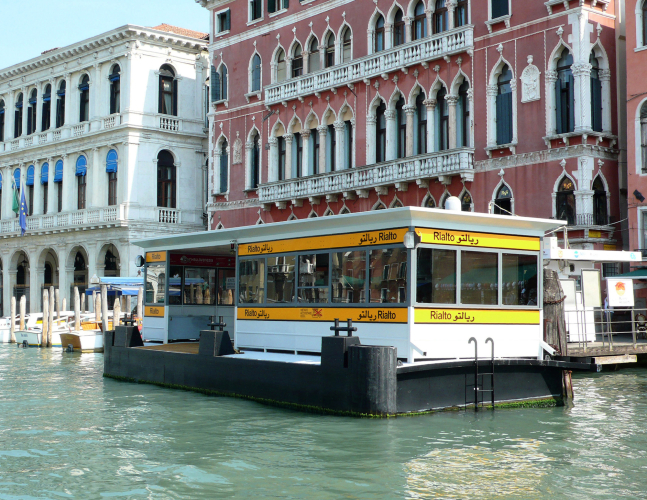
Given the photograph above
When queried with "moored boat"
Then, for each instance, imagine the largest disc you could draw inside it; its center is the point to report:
(84, 340)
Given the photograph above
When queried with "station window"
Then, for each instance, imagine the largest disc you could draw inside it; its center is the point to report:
(348, 277)
(199, 286)
(519, 285)
(436, 276)
(155, 283)
(385, 277)
(251, 288)
(280, 279)
(314, 271)
(479, 278)
(226, 286)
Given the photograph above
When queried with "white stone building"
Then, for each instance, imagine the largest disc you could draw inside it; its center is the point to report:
(107, 136)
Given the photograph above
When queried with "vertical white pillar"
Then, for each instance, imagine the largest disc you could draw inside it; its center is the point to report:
(452, 101)
(289, 139)
(25, 109)
(52, 104)
(52, 202)
(95, 174)
(273, 166)
(582, 80)
(391, 134)
(305, 153)
(6, 284)
(371, 139)
(322, 130)
(125, 80)
(7, 193)
(70, 197)
(410, 110)
(451, 6)
(340, 145)
(431, 124)
(39, 108)
(491, 93)
(605, 80)
(70, 93)
(38, 191)
(34, 287)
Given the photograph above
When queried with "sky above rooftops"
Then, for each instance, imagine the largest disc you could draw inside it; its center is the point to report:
(33, 27)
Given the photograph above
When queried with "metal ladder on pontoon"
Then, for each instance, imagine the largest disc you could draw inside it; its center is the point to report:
(480, 388)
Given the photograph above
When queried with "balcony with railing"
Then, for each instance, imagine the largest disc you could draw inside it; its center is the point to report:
(64, 220)
(168, 215)
(418, 51)
(359, 181)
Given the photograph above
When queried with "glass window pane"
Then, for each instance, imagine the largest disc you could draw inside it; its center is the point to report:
(313, 277)
(199, 286)
(155, 283)
(349, 277)
(436, 280)
(387, 283)
(280, 279)
(226, 286)
(479, 278)
(175, 286)
(519, 280)
(251, 285)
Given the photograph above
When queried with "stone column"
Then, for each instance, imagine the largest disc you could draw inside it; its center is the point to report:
(371, 140)
(215, 170)
(605, 80)
(34, 287)
(96, 95)
(322, 130)
(371, 41)
(451, 7)
(52, 106)
(273, 166)
(491, 93)
(340, 145)
(52, 206)
(513, 87)
(582, 79)
(10, 109)
(25, 109)
(388, 36)
(38, 190)
(551, 123)
(305, 153)
(408, 33)
(289, 139)
(69, 94)
(353, 124)
(95, 198)
(65, 276)
(452, 101)
(127, 191)
(249, 167)
(124, 82)
(391, 134)
(431, 124)
(70, 197)
(410, 110)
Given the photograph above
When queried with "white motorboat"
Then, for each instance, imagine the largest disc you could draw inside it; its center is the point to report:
(83, 341)
(33, 331)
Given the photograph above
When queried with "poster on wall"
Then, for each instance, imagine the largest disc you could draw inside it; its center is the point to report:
(621, 292)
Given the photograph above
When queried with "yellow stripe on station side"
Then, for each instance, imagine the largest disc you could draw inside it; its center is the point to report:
(358, 315)
(386, 237)
(478, 240)
(155, 256)
(476, 316)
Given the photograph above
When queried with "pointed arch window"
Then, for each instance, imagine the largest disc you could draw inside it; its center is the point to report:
(421, 125)
(401, 124)
(379, 35)
(314, 148)
(31, 112)
(463, 115)
(398, 29)
(2, 119)
(47, 109)
(17, 129)
(596, 94)
(256, 73)
(380, 133)
(565, 201)
(313, 56)
(600, 216)
(441, 16)
(504, 106)
(442, 115)
(297, 61)
(256, 161)
(429, 202)
(297, 155)
(166, 180)
(466, 202)
(503, 200)
(280, 66)
(224, 164)
(329, 58)
(60, 104)
(565, 94)
(281, 144)
(460, 14)
(84, 99)
(331, 148)
(112, 163)
(348, 143)
(167, 91)
(419, 21)
(346, 54)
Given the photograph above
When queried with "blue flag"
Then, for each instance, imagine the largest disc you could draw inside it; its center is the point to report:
(23, 212)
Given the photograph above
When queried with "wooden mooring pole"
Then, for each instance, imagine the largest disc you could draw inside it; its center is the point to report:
(77, 309)
(12, 328)
(23, 311)
(104, 308)
(45, 323)
(50, 319)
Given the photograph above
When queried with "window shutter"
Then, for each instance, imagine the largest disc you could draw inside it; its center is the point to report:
(227, 26)
(596, 104)
(499, 8)
(160, 100)
(174, 97)
(559, 119)
(571, 104)
(215, 85)
(271, 5)
(286, 4)
(224, 82)
(223, 170)
(504, 118)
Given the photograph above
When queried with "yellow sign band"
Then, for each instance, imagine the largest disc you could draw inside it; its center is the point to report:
(358, 315)
(478, 240)
(476, 316)
(154, 311)
(386, 237)
(155, 256)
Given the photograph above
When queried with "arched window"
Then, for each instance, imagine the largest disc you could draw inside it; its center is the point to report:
(81, 176)
(224, 164)
(398, 28)
(111, 264)
(421, 122)
(111, 169)
(47, 109)
(297, 155)
(463, 115)
(442, 116)
(2, 120)
(314, 151)
(166, 180)
(429, 202)
(80, 271)
(167, 91)
(256, 159)
(16, 179)
(256, 73)
(115, 89)
(419, 21)
(600, 217)
(596, 94)
(44, 179)
(60, 104)
(643, 137)
(280, 66)
(281, 147)
(401, 124)
(380, 134)
(565, 201)
(84, 99)
(17, 129)
(379, 35)
(330, 51)
(460, 14)
(503, 201)
(31, 112)
(346, 53)
(29, 182)
(48, 275)
(331, 148)
(297, 61)
(504, 106)
(348, 143)
(466, 202)
(565, 94)
(218, 83)
(440, 17)
(313, 56)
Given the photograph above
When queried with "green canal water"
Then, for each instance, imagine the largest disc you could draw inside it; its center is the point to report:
(66, 432)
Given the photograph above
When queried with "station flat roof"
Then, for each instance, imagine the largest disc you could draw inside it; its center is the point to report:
(363, 221)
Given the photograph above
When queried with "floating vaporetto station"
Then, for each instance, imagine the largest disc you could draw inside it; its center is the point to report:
(423, 287)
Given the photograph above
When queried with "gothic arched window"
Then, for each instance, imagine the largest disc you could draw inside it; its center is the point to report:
(565, 201)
